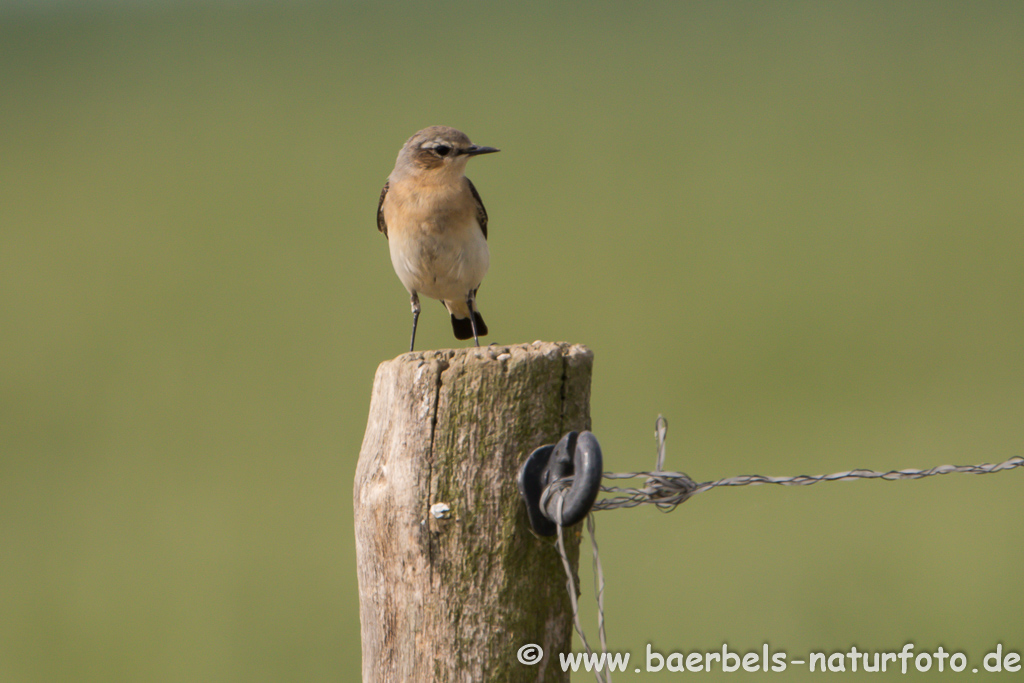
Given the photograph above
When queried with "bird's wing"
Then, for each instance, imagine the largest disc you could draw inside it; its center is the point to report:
(481, 212)
(381, 225)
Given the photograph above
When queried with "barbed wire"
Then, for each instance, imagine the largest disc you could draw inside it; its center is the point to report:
(668, 490)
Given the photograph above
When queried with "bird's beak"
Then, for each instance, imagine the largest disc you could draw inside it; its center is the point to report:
(474, 150)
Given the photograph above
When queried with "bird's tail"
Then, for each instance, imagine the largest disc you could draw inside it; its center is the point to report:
(461, 324)
(463, 328)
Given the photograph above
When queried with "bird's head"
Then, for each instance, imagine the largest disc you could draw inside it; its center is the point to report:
(438, 150)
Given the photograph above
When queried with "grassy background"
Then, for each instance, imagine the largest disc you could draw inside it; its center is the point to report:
(794, 228)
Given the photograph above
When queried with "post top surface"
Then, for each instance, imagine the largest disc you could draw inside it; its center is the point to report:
(497, 352)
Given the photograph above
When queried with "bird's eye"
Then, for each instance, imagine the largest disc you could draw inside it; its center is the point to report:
(442, 150)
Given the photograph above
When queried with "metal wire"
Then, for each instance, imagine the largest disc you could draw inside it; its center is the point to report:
(605, 676)
(667, 490)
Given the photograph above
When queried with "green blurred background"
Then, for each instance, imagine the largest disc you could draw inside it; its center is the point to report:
(794, 228)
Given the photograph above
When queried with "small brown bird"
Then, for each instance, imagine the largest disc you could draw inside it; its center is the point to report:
(436, 226)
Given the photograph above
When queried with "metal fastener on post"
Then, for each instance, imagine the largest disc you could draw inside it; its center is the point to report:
(569, 471)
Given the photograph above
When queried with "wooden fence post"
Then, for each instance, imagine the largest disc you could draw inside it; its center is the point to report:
(451, 580)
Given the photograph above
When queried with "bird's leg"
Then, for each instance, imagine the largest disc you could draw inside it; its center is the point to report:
(471, 302)
(415, 318)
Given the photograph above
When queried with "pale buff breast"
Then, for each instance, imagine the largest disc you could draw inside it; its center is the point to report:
(437, 246)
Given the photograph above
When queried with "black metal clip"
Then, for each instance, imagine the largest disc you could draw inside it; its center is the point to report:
(572, 468)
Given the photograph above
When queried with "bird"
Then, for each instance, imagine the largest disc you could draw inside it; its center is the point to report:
(436, 226)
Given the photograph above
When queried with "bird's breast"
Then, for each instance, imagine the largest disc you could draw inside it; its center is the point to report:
(437, 246)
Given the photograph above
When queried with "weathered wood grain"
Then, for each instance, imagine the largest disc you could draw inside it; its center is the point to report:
(454, 598)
